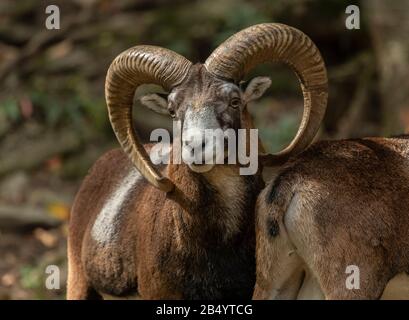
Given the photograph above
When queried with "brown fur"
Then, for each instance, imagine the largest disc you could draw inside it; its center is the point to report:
(339, 203)
(197, 242)
(164, 251)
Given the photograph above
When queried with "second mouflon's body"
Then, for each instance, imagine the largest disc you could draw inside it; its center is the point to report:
(340, 208)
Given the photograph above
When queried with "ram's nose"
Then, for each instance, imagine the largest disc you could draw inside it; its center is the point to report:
(195, 140)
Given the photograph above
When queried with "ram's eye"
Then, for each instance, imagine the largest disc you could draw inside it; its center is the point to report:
(235, 102)
(172, 113)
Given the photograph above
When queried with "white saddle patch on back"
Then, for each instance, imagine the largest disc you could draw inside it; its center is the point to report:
(105, 228)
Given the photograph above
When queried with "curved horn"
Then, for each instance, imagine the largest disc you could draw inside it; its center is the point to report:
(273, 42)
(131, 68)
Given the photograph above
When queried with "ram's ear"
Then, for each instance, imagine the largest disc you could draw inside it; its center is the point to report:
(256, 88)
(156, 102)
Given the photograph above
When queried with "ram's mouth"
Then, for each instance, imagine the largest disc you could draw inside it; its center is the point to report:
(206, 167)
(201, 168)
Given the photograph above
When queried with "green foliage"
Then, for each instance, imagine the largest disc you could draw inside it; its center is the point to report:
(243, 15)
(278, 136)
(31, 277)
(10, 110)
(74, 108)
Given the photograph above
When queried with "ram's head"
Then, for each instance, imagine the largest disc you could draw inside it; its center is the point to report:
(202, 102)
(209, 95)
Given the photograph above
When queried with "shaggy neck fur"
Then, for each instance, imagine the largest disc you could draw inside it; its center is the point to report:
(215, 207)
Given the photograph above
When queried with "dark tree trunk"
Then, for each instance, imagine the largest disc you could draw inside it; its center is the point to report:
(389, 26)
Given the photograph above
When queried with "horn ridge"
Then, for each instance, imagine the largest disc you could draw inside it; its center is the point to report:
(130, 69)
(274, 42)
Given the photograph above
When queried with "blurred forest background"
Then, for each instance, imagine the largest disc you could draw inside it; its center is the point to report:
(53, 120)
